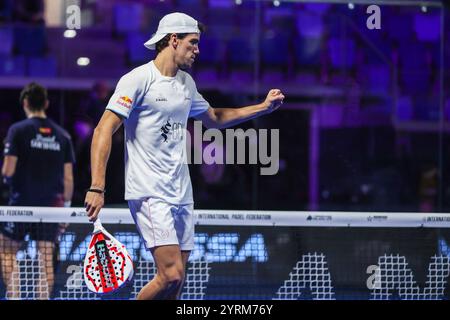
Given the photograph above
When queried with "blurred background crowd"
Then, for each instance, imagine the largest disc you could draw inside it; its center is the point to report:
(364, 127)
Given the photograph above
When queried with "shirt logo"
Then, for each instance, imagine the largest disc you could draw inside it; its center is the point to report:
(45, 143)
(160, 98)
(125, 101)
(172, 129)
(165, 130)
(165, 234)
(45, 130)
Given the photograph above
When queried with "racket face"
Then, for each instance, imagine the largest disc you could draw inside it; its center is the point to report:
(128, 265)
(107, 265)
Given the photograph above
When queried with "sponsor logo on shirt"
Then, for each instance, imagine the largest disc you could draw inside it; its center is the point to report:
(45, 143)
(173, 129)
(125, 101)
(161, 99)
(165, 129)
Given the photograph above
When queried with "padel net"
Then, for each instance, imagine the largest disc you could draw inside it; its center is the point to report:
(267, 255)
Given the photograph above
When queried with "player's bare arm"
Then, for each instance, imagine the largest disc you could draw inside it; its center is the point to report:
(227, 117)
(100, 151)
(9, 166)
(68, 181)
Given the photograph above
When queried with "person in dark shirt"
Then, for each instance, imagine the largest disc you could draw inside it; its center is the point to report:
(38, 167)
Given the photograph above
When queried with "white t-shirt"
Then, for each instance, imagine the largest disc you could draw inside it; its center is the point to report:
(156, 109)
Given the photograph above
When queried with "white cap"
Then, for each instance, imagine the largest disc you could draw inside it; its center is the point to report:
(176, 22)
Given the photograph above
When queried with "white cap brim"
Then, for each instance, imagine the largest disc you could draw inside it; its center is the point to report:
(150, 44)
(162, 32)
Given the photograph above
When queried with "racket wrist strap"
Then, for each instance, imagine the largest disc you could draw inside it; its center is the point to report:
(96, 190)
(97, 225)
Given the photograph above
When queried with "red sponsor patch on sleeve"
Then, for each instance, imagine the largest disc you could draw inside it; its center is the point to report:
(125, 101)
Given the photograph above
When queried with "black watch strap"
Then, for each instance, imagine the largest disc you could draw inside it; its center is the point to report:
(96, 190)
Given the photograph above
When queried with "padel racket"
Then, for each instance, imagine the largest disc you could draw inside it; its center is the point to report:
(107, 265)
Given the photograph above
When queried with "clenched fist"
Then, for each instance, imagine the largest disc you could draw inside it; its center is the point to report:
(274, 100)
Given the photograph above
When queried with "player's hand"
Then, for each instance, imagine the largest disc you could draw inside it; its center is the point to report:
(274, 100)
(94, 203)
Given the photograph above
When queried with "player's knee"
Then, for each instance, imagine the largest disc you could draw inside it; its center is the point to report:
(173, 275)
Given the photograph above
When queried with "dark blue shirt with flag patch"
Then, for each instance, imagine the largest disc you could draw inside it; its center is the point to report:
(42, 148)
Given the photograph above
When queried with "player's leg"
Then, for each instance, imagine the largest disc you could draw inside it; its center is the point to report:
(47, 279)
(169, 276)
(45, 235)
(184, 259)
(9, 266)
(154, 220)
(184, 225)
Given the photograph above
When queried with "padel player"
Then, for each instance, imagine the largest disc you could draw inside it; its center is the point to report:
(154, 101)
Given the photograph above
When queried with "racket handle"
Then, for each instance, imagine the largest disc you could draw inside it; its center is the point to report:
(97, 225)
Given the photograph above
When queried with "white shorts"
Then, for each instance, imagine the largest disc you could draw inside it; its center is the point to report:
(160, 223)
